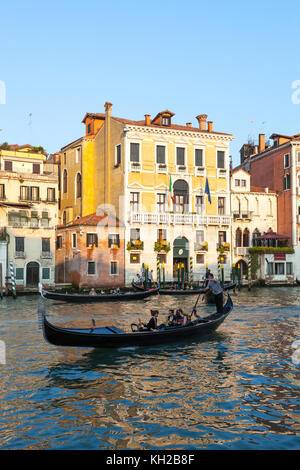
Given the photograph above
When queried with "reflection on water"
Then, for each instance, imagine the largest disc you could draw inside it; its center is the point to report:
(237, 389)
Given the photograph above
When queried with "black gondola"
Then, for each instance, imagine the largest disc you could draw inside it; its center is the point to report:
(84, 298)
(198, 291)
(112, 337)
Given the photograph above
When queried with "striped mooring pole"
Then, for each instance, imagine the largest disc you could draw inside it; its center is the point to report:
(219, 269)
(249, 273)
(158, 271)
(12, 277)
(191, 269)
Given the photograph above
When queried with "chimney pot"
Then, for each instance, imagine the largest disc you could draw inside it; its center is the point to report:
(210, 126)
(261, 143)
(107, 106)
(188, 124)
(202, 121)
(147, 120)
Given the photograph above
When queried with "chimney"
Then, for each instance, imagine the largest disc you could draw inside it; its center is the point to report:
(107, 107)
(147, 120)
(261, 143)
(210, 126)
(202, 121)
(188, 124)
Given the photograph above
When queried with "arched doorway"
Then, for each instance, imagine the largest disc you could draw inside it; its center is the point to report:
(243, 269)
(32, 274)
(180, 255)
(181, 196)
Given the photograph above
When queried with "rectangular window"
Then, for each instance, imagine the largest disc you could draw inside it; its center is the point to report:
(162, 258)
(134, 152)
(221, 205)
(135, 234)
(2, 191)
(243, 183)
(237, 182)
(222, 237)
(58, 242)
(289, 269)
(113, 268)
(51, 194)
(180, 153)
(220, 159)
(113, 240)
(19, 274)
(134, 202)
(46, 245)
(199, 258)
(286, 160)
(161, 234)
(199, 157)
(161, 202)
(24, 193)
(118, 155)
(279, 268)
(77, 155)
(199, 203)
(160, 154)
(270, 269)
(199, 236)
(74, 240)
(35, 193)
(91, 268)
(45, 219)
(92, 239)
(46, 273)
(8, 165)
(20, 244)
(287, 181)
(36, 168)
(134, 258)
(298, 158)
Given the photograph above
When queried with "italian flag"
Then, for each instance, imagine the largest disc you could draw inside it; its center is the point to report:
(172, 197)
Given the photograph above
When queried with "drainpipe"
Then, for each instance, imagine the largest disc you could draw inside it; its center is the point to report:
(293, 197)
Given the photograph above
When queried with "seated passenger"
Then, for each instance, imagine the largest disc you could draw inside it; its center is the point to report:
(171, 317)
(92, 291)
(152, 324)
(180, 317)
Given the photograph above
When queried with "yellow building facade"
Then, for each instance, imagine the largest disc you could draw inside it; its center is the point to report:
(155, 176)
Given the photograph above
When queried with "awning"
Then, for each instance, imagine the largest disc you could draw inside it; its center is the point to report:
(272, 236)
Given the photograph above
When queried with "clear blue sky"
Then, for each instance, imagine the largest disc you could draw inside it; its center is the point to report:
(232, 60)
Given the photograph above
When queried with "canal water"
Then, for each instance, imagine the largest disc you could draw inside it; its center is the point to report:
(238, 389)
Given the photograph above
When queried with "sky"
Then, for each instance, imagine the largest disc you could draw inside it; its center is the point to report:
(235, 61)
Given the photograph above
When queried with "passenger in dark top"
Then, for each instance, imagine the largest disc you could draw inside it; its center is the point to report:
(152, 324)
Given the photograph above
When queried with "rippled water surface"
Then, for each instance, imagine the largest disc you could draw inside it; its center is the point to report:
(237, 389)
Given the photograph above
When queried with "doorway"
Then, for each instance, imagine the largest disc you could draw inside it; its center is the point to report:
(180, 256)
(32, 274)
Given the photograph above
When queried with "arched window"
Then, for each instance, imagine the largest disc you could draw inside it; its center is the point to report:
(65, 181)
(238, 237)
(270, 207)
(246, 234)
(256, 234)
(78, 185)
(181, 196)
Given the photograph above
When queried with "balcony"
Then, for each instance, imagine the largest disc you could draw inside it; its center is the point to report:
(222, 173)
(20, 254)
(199, 171)
(161, 168)
(200, 246)
(46, 254)
(168, 218)
(135, 166)
(241, 251)
(243, 215)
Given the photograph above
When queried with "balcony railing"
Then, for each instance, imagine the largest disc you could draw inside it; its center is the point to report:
(243, 215)
(20, 254)
(168, 218)
(46, 254)
(241, 250)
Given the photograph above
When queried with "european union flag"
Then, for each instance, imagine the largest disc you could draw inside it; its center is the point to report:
(207, 191)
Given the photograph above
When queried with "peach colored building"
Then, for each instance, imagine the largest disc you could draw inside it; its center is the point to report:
(90, 252)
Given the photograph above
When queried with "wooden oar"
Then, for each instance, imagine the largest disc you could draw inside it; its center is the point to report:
(195, 306)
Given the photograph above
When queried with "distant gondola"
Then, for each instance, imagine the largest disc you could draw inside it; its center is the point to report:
(112, 337)
(84, 298)
(198, 291)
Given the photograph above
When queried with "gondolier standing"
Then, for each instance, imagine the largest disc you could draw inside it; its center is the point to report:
(216, 288)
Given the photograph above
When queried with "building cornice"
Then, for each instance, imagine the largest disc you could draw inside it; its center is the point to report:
(176, 132)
